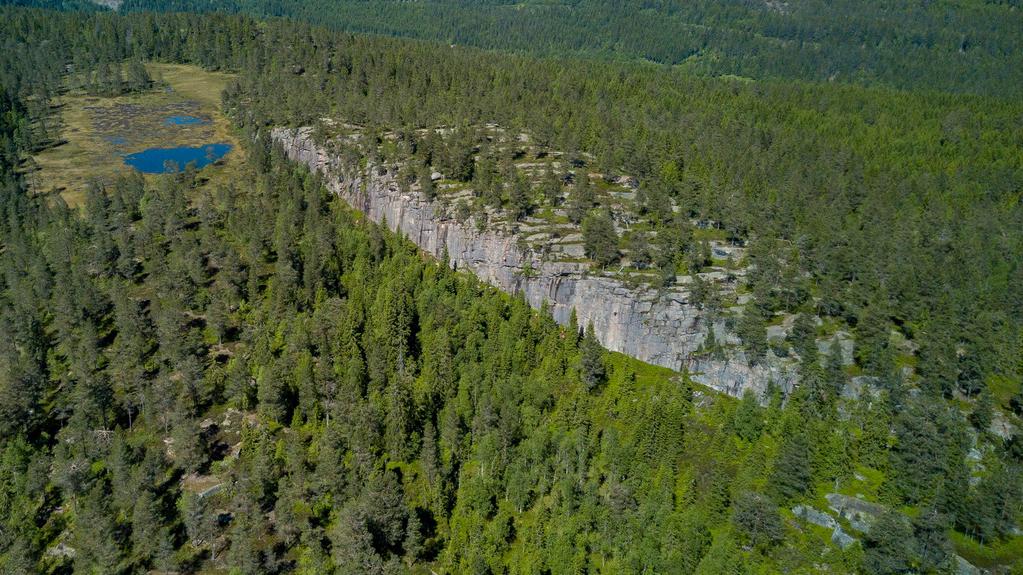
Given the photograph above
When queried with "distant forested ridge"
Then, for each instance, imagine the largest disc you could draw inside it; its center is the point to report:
(971, 46)
(882, 209)
(252, 377)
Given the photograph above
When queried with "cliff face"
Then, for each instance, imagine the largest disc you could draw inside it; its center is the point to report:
(656, 326)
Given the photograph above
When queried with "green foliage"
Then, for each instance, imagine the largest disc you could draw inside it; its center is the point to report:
(983, 413)
(757, 519)
(791, 477)
(896, 544)
(924, 428)
(992, 510)
(970, 46)
(751, 329)
(592, 361)
(255, 379)
(600, 238)
(888, 547)
(749, 419)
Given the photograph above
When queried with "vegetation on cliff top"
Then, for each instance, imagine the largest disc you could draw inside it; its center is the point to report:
(250, 377)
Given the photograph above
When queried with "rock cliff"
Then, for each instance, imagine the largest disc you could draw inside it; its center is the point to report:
(656, 326)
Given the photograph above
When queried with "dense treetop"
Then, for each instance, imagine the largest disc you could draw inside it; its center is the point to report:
(962, 46)
(252, 377)
(893, 209)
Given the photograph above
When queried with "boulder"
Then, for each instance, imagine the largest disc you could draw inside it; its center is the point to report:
(842, 539)
(859, 513)
(845, 343)
(812, 515)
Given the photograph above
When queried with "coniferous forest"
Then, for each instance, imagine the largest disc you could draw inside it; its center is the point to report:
(970, 46)
(251, 377)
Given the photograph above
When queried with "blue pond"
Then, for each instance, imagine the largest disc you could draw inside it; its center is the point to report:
(184, 121)
(173, 160)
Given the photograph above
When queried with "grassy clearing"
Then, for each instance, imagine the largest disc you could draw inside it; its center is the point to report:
(709, 234)
(1006, 555)
(98, 131)
(1003, 389)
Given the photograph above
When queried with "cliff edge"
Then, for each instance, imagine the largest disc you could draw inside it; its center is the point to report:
(659, 326)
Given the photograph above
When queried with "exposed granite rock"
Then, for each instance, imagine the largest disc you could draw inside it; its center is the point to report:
(845, 343)
(838, 536)
(659, 327)
(842, 539)
(820, 518)
(860, 385)
(1001, 426)
(210, 491)
(860, 514)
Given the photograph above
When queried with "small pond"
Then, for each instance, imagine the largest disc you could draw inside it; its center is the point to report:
(185, 121)
(173, 160)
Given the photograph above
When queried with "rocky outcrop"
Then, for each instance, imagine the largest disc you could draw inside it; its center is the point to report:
(809, 513)
(657, 326)
(859, 513)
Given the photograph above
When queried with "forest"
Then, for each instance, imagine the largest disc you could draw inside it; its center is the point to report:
(252, 378)
(972, 46)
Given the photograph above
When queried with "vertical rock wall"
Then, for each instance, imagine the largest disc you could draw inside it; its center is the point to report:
(656, 326)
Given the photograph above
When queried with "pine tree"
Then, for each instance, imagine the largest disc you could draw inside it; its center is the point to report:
(752, 330)
(748, 420)
(888, 548)
(791, 476)
(925, 439)
(426, 185)
(933, 551)
(519, 201)
(757, 519)
(723, 558)
(580, 198)
(994, 505)
(592, 359)
(551, 186)
(983, 412)
(138, 79)
(600, 238)
(873, 348)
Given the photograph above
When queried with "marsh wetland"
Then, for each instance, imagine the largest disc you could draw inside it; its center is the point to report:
(162, 130)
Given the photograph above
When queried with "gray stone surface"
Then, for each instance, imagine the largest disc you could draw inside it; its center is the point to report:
(859, 513)
(213, 490)
(845, 343)
(842, 539)
(860, 385)
(812, 515)
(659, 327)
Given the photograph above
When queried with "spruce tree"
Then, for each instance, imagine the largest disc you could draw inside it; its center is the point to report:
(791, 476)
(592, 359)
